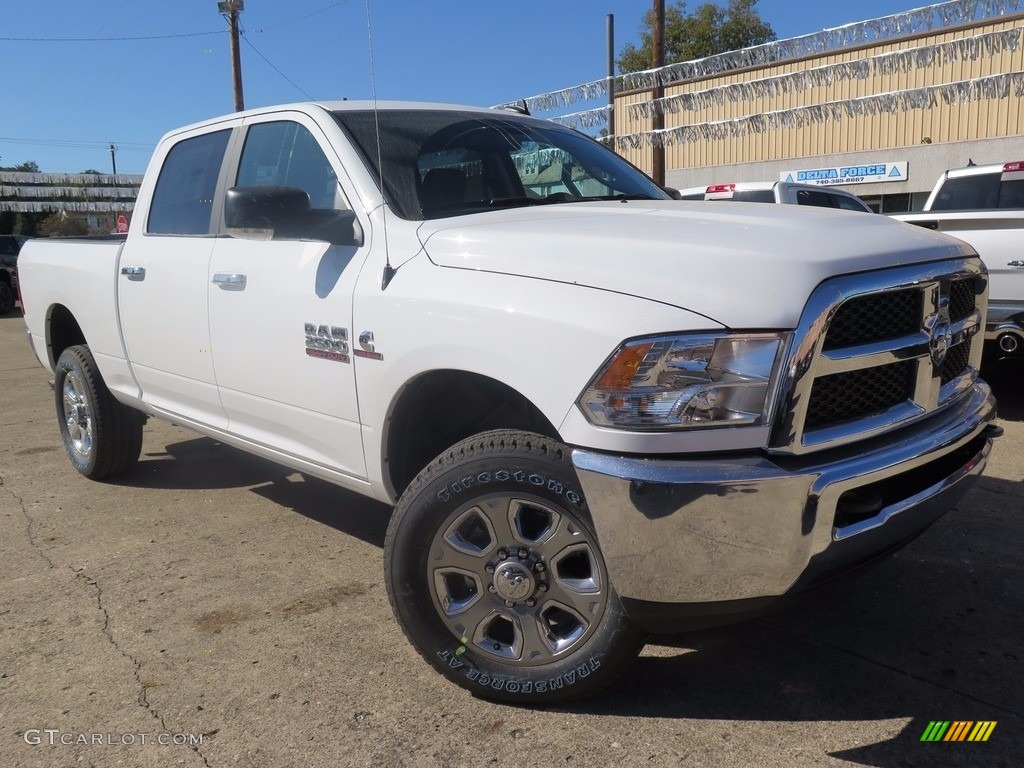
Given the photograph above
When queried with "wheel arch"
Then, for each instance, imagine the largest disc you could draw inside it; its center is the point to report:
(440, 408)
(62, 331)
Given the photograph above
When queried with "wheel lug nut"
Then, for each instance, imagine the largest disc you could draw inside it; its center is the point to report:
(491, 588)
(543, 586)
(509, 603)
(540, 567)
(523, 553)
(489, 567)
(503, 554)
(531, 602)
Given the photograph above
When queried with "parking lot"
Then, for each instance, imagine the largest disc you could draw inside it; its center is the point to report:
(213, 609)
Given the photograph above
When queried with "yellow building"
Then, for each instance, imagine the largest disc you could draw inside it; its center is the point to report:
(881, 107)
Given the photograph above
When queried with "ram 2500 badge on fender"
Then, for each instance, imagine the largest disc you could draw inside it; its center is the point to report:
(598, 411)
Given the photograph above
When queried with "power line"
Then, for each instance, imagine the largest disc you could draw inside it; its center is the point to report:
(282, 74)
(100, 39)
(301, 18)
(161, 37)
(79, 144)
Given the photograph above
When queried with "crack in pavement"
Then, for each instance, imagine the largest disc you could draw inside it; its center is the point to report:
(142, 698)
(31, 522)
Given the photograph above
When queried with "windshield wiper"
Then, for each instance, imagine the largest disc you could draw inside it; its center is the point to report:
(620, 196)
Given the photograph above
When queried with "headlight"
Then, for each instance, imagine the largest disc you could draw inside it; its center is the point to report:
(689, 381)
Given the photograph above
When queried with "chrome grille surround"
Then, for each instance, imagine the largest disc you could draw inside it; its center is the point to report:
(942, 369)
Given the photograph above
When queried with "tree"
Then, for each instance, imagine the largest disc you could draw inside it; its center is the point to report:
(61, 225)
(710, 29)
(28, 167)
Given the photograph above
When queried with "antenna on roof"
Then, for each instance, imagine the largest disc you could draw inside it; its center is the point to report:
(518, 106)
(389, 271)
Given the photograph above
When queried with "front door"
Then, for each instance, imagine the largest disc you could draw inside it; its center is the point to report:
(281, 311)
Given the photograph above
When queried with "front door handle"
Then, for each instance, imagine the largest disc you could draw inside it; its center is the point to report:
(134, 273)
(1016, 263)
(229, 280)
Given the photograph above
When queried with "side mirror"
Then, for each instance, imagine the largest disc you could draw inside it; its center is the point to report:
(674, 193)
(284, 213)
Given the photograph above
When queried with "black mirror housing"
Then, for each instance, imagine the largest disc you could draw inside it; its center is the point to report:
(284, 213)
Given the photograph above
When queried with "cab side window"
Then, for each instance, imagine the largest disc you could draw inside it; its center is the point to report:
(285, 153)
(183, 197)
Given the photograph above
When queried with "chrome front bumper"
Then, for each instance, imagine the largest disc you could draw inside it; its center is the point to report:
(755, 528)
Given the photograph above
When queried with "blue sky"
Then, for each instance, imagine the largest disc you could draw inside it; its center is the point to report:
(65, 102)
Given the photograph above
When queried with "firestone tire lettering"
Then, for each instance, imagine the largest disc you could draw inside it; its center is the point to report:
(503, 475)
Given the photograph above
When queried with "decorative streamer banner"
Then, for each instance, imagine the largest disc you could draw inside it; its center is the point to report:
(979, 89)
(590, 118)
(556, 99)
(859, 33)
(964, 49)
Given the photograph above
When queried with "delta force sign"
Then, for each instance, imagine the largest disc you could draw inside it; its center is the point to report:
(870, 173)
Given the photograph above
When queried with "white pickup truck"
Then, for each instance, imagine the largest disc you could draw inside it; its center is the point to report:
(598, 411)
(782, 192)
(983, 205)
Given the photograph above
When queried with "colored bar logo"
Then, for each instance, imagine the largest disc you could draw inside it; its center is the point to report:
(958, 730)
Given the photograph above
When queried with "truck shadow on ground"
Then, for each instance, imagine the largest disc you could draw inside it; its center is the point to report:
(932, 633)
(203, 463)
(1006, 376)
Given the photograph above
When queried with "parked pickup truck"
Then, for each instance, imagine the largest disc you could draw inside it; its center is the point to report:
(597, 411)
(784, 192)
(983, 205)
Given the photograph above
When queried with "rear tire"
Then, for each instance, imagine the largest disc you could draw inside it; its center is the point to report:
(495, 574)
(102, 437)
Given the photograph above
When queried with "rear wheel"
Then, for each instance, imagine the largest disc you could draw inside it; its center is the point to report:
(495, 573)
(102, 437)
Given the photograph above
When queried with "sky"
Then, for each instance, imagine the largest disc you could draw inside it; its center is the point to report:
(69, 91)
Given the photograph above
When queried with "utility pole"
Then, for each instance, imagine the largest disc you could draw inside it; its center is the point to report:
(611, 78)
(230, 10)
(658, 120)
(113, 160)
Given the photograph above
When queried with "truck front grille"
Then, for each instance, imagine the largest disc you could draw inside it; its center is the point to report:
(876, 317)
(841, 397)
(895, 346)
(962, 299)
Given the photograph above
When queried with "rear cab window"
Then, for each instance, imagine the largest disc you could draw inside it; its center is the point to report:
(183, 198)
(981, 191)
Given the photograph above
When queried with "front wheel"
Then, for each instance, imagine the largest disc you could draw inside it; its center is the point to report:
(102, 437)
(495, 574)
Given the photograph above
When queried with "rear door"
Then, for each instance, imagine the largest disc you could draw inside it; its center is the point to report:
(163, 276)
(281, 311)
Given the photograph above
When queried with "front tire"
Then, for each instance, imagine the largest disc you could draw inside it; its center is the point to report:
(495, 574)
(102, 437)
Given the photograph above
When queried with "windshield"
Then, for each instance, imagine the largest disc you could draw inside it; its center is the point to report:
(447, 162)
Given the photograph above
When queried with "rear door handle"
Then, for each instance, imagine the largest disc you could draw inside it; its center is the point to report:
(134, 273)
(229, 279)
(1015, 263)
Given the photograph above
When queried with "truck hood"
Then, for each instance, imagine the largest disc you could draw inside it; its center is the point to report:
(743, 265)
